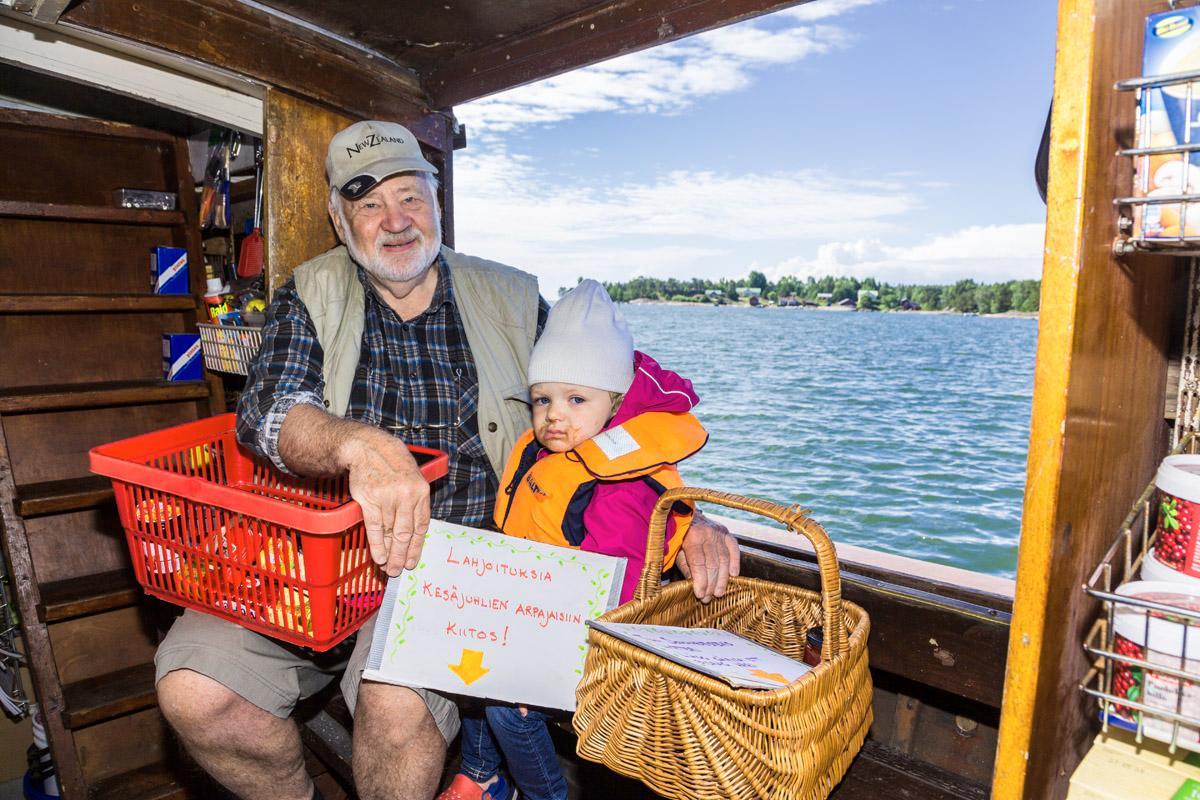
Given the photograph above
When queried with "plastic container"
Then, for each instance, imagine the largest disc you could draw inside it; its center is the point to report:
(1159, 639)
(1178, 482)
(40, 780)
(1155, 570)
(211, 528)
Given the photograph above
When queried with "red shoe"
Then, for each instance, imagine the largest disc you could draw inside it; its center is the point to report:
(463, 788)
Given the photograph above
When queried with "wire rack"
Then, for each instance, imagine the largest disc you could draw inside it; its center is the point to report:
(1110, 664)
(12, 693)
(1139, 225)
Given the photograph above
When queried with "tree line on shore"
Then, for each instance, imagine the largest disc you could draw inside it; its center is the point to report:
(965, 295)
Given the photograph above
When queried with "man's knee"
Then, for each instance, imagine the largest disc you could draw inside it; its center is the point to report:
(395, 712)
(191, 701)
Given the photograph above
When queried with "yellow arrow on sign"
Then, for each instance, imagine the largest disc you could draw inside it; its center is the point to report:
(470, 667)
(770, 676)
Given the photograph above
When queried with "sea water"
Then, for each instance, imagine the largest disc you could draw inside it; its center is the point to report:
(903, 432)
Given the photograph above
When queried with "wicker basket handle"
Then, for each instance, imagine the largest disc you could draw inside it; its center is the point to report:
(794, 517)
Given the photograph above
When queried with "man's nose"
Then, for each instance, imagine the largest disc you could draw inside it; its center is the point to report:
(396, 219)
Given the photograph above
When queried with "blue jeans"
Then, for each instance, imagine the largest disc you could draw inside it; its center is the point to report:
(527, 747)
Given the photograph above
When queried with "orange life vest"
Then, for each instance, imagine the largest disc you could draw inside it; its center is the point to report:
(544, 499)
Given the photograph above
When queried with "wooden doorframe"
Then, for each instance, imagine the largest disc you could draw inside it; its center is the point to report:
(1097, 431)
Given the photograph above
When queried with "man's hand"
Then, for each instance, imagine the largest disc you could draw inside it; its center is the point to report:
(394, 495)
(709, 555)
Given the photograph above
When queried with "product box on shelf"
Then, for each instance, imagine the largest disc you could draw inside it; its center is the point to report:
(169, 270)
(181, 357)
(1167, 116)
(1119, 768)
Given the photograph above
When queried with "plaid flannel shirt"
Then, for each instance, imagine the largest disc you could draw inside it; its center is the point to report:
(415, 378)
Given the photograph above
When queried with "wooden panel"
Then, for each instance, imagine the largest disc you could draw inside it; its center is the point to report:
(152, 782)
(122, 745)
(35, 122)
(1097, 432)
(878, 772)
(65, 546)
(28, 399)
(104, 697)
(36, 640)
(298, 135)
(70, 494)
(79, 213)
(88, 594)
(128, 163)
(934, 641)
(103, 643)
(80, 256)
(110, 347)
(53, 446)
(246, 40)
(597, 33)
(93, 303)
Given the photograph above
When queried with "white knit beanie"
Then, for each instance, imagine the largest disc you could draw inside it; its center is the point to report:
(585, 342)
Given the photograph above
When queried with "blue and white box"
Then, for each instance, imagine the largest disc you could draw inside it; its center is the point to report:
(182, 359)
(169, 270)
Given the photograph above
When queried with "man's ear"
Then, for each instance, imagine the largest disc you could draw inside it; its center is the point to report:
(335, 218)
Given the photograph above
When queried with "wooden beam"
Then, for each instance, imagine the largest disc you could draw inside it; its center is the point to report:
(1097, 431)
(592, 35)
(246, 40)
(48, 11)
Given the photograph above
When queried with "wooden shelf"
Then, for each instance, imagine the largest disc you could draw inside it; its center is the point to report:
(56, 497)
(153, 782)
(60, 211)
(25, 399)
(94, 303)
(88, 594)
(107, 696)
(878, 771)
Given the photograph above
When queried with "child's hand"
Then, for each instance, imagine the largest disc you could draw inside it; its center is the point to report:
(524, 710)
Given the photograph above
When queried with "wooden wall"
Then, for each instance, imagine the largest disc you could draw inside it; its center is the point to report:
(1097, 432)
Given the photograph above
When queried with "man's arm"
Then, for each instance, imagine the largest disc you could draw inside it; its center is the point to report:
(384, 479)
(709, 556)
(282, 417)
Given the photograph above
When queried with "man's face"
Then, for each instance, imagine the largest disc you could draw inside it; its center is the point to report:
(392, 231)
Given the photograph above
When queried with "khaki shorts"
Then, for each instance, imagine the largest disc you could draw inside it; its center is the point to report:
(275, 675)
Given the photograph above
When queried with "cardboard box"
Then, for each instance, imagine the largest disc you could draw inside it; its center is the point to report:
(181, 357)
(169, 270)
(1118, 768)
(1165, 117)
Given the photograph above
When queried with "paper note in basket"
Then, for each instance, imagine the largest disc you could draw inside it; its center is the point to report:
(492, 616)
(740, 662)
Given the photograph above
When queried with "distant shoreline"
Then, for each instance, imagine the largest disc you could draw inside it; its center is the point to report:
(828, 309)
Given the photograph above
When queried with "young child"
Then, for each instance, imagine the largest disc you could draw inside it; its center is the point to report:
(609, 424)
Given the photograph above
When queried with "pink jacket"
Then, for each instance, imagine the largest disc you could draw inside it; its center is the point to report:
(617, 519)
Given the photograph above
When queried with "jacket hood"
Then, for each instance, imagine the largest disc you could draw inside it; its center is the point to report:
(654, 389)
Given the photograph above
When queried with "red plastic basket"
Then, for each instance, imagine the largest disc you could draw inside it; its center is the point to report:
(211, 528)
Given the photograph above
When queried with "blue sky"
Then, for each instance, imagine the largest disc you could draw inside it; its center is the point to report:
(884, 138)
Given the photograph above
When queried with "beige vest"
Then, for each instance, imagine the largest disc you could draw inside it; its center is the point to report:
(498, 308)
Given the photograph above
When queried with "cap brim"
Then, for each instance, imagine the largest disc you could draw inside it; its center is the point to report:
(355, 187)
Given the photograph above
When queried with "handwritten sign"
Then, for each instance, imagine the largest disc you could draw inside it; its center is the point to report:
(492, 616)
(738, 661)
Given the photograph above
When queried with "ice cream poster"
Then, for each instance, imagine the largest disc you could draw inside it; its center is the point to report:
(489, 615)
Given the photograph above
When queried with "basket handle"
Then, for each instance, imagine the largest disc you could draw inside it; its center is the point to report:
(794, 517)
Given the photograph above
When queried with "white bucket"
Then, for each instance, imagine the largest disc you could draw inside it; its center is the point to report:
(1178, 482)
(1161, 640)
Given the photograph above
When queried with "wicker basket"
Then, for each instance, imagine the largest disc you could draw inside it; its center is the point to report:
(686, 735)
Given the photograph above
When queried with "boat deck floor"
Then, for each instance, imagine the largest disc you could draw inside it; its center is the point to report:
(876, 772)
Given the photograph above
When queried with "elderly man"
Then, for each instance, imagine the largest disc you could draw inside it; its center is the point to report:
(386, 340)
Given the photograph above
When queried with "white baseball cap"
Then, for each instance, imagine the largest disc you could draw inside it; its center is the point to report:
(365, 153)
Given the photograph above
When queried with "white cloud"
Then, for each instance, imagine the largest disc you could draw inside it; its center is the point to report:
(823, 9)
(667, 78)
(703, 224)
(986, 253)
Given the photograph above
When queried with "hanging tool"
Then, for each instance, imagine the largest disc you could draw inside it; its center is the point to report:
(250, 260)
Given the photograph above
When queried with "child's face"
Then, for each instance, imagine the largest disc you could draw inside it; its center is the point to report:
(566, 416)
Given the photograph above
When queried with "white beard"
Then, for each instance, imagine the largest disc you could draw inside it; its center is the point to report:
(385, 268)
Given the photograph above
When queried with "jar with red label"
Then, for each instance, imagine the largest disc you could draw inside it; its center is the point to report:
(1158, 639)
(1178, 482)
